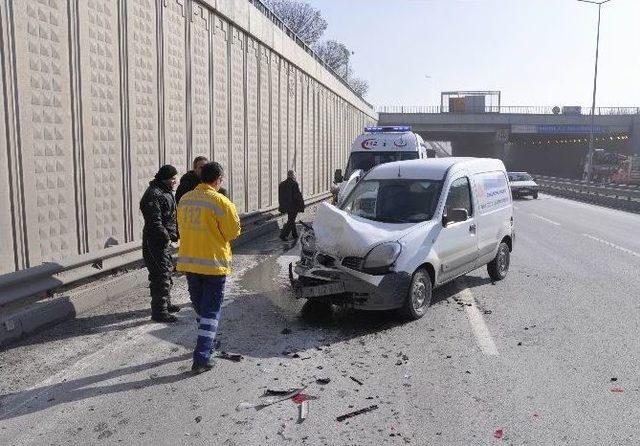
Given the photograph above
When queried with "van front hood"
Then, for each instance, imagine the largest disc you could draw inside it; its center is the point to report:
(341, 234)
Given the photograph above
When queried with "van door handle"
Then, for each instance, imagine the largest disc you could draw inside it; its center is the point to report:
(472, 228)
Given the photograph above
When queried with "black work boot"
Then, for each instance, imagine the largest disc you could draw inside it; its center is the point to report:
(171, 308)
(164, 317)
(197, 369)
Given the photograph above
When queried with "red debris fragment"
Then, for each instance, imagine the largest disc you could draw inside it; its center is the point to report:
(536, 415)
(499, 433)
(300, 398)
(617, 389)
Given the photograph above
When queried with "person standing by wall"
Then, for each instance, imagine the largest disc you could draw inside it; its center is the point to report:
(158, 208)
(208, 221)
(290, 202)
(191, 179)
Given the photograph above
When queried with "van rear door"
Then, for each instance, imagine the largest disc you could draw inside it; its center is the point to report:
(494, 214)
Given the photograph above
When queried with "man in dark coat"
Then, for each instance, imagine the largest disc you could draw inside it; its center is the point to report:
(290, 202)
(158, 208)
(191, 179)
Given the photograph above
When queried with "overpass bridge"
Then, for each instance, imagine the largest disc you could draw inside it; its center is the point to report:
(526, 138)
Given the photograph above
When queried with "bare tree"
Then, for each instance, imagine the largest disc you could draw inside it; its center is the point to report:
(360, 86)
(302, 18)
(336, 55)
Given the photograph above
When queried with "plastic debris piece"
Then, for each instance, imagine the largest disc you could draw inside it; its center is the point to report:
(356, 413)
(488, 311)
(614, 379)
(272, 392)
(269, 399)
(355, 380)
(229, 356)
(617, 389)
(303, 411)
(198, 419)
(286, 331)
(323, 381)
(498, 433)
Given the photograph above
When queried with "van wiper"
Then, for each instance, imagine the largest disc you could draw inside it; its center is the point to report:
(389, 220)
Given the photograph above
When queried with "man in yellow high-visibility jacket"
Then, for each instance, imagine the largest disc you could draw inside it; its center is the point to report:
(207, 222)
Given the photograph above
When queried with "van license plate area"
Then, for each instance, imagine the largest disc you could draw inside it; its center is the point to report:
(323, 290)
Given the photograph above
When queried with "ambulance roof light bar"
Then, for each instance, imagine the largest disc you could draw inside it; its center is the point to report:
(387, 128)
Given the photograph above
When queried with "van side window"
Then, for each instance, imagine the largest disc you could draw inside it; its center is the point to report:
(459, 196)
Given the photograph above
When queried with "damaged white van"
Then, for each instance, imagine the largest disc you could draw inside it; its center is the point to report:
(406, 228)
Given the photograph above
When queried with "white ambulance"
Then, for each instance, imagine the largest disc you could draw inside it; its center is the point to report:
(380, 145)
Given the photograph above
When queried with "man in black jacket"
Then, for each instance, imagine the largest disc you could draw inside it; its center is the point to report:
(290, 202)
(158, 208)
(191, 179)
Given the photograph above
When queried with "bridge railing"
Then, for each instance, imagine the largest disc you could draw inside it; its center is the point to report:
(510, 109)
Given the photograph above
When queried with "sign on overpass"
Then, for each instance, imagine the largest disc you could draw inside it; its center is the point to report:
(564, 129)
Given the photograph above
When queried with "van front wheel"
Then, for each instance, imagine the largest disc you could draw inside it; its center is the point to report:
(499, 266)
(418, 297)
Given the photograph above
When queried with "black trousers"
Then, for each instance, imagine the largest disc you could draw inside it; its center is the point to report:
(157, 259)
(290, 226)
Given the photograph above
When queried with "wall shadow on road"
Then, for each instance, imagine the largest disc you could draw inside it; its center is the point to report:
(45, 397)
(86, 326)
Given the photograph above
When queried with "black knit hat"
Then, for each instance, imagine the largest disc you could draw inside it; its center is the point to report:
(166, 172)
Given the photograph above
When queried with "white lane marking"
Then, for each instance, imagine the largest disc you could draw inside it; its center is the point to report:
(613, 245)
(546, 219)
(478, 325)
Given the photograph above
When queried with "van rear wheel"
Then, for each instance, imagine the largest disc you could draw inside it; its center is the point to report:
(418, 297)
(499, 266)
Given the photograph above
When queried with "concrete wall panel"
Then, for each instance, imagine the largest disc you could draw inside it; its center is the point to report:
(220, 73)
(101, 141)
(200, 82)
(252, 161)
(276, 136)
(264, 128)
(237, 177)
(47, 149)
(175, 106)
(143, 101)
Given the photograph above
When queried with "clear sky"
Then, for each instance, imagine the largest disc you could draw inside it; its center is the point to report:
(537, 52)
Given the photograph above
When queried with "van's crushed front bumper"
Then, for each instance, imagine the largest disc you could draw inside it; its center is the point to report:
(324, 277)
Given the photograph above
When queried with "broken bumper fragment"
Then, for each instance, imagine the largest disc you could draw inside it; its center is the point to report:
(321, 277)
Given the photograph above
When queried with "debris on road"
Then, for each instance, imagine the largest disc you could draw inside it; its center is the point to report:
(357, 412)
(355, 380)
(286, 331)
(498, 433)
(303, 411)
(617, 389)
(488, 311)
(198, 419)
(229, 356)
(301, 398)
(614, 379)
(271, 397)
(323, 381)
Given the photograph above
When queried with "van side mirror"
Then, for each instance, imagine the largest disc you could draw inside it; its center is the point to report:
(454, 216)
(337, 176)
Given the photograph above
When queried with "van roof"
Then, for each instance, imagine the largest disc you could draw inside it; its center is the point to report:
(433, 168)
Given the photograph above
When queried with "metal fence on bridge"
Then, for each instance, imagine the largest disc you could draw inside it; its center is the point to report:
(522, 110)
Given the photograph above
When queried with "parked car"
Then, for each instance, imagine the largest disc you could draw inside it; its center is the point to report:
(406, 228)
(522, 185)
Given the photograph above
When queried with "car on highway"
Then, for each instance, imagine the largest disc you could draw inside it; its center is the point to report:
(522, 185)
(406, 228)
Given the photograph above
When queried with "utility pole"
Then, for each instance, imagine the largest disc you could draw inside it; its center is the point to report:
(589, 166)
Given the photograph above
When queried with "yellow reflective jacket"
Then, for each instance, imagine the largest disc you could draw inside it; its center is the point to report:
(207, 222)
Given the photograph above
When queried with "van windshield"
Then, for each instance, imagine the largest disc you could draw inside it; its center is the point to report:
(394, 200)
(368, 160)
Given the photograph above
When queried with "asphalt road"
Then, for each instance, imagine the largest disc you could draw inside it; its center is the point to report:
(547, 356)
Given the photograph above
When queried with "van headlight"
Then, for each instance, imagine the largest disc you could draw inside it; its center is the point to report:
(381, 258)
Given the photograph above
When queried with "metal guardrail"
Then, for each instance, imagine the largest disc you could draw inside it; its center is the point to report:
(522, 110)
(43, 279)
(626, 197)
